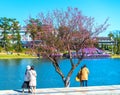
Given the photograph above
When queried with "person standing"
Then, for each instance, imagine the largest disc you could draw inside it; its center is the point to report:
(26, 80)
(33, 76)
(84, 75)
(80, 74)
(78, 77)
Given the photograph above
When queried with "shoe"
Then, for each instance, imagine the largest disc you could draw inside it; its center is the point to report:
(29, 91)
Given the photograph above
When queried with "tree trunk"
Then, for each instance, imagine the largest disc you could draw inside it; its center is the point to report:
(67, 82)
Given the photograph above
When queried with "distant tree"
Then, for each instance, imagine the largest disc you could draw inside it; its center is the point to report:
(71, 31)
(10, 33)
(115, 35)
(16, 37)
(111, 35)
(33, 26)
(5, 26)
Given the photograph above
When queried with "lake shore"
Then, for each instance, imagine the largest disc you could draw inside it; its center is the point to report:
(115, 56)
(23, 55)
(15, 56)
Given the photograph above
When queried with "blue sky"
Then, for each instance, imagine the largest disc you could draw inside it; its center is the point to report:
(99, 9)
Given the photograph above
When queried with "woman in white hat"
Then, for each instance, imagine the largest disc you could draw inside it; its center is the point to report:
(26, 79)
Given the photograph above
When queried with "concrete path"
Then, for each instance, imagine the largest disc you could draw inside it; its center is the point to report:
(92, 90)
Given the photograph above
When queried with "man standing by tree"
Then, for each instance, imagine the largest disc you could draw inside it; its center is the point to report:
(84, 75)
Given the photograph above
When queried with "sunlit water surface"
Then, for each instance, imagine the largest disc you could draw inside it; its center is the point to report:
(104, 71)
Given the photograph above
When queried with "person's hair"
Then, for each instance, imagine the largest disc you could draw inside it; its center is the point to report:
(84, 66)
(32, 67)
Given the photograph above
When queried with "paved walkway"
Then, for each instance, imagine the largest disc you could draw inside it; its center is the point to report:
(93, 90)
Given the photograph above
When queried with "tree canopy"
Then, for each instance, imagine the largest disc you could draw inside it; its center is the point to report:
(66, 31)
(10, 33)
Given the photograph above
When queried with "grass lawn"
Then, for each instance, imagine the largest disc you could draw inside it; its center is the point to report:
(115, 56)
(22, 55)
(15, 55)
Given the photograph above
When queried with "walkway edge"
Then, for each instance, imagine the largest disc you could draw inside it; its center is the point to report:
(91, 90)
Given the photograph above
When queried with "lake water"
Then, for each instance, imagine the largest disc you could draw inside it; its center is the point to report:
(102, 72)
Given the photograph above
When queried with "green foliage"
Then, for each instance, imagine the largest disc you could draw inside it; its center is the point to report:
(115, 35)
(5, 25)
(1, 49)
(11, 33)
(33, 26)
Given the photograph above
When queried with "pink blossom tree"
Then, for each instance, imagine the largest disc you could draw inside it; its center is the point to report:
(68, 31)
(33, 27)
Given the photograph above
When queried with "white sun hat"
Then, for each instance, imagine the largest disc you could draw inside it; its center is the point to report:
(28, 67)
